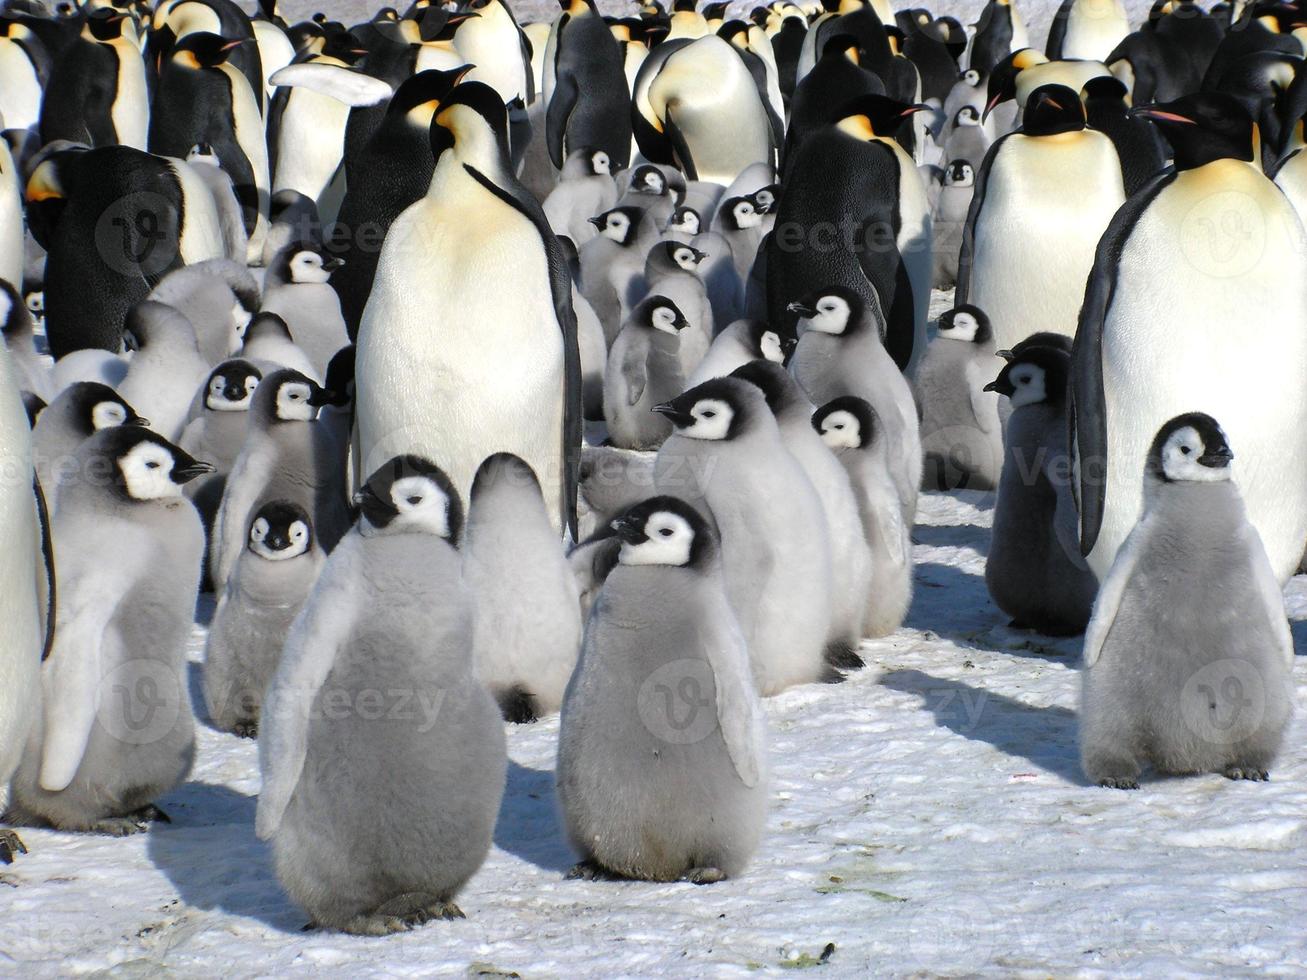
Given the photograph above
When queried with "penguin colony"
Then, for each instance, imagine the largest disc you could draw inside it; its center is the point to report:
(586, 366)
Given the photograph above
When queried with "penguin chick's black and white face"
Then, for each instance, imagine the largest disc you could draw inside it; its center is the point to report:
(664, 315)
(685, 221)
(1190, 449)
(298, 400)
(1024, 382)
(202, 153)
(663, 531)
(280, 531)
(648, 180)
(845, 423)
(601, 165)
(766, 198)
(686, 256)
(830, 313)
(959, 174)
(148, 467)
(309, 267)
(231, 386)
(97, 406)
(619, 224)
(744, 214)
(410, 494)
(965, 324)
(709, 411)
(967, 115)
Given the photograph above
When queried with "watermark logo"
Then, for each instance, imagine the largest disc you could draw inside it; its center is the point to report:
(676, 702)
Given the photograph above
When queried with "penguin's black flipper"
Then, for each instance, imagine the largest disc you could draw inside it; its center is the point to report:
(967, 251)
(47, 554)
(561, 104)
(680, 149)
(1057, 31)
(1086, 409)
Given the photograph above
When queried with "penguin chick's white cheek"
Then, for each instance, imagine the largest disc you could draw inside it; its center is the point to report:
(746, 216)
(147, 471)
(831, 316)
(293, 403)
(421, 503)
(712, 420)
(664, 319)
(668, 540)
(840, 430)
(770, 345)
(1028, 381)
(602, 165)
(106, 415)
(615, 227)
(686, 259)
(1180, 457)
(964, 328)
(306, 267)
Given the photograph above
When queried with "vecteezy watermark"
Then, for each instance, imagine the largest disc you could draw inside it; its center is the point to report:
(133, 234)
(1224, 702)
(140, 701)
(677, 703)
(335, 703)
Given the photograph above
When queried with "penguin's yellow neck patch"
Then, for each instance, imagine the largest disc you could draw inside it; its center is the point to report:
(1028, 58)
(43, 186)
(859, 127)
(621, 32)
(187, 59)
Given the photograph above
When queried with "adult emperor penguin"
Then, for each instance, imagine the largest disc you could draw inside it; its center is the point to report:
(13, 239)
(203, 98)
(390, 613)
(999, 31)
(776, 552)
(1034, 571)
(477, 224)
(644, 370)
(1042, 200)
(21, 575)
(1088, 30)
(266, 591)
(1171, 677)
(528, 622)
(587, 101)
(24, 71)
(1153, 342)
(114, 729)
(663, 690)
(96, 93)
(1138, 145)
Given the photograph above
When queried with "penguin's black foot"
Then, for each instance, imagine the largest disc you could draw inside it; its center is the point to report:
(590, 870)
(402, 913)
(150, 814)
(705, 876)
(119, 826)
(843, 656)
(830, 675)
(245, 729)
(11, 845)
(1119, 782)
(1246, 772)
(518, 706)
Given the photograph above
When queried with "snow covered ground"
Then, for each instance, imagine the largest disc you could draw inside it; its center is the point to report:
(928, 818)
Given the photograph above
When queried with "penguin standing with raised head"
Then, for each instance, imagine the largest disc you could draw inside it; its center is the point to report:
(586, 95)
(949, 221)
(217, 431)
(644, 370)
(96, 93)
(1171, 678)
(166, 368)
(77, 413)
(390, 613)
(298, 289)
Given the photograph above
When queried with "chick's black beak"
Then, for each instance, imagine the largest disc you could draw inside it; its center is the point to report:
(320, 396)
(1002, 385)
(331, 265)
(374, 508)
(799, 309)
(186, 470)
(597, 221)
(630, 529)
(1216, 459)
(678, 418)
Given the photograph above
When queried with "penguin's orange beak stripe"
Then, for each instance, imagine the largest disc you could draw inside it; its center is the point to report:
(1165, 116)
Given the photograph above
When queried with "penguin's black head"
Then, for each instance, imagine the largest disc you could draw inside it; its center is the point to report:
(620, 224)
(715, 11)
(781, 392)
(671, 255)
(281, 530)
(1042, 338)
(740, 213)
(231, 386)
(769, 344)
(288, 396)
(960, 173)
(267, 326)
(425, 90)
(966, 323)
(15, 317)
(1105, 90)
(204, 50)
(715, 411)
(835, 310)
(410, 494)
(665, 531)
(469, 113)
(1039, 375)
(339, 381)
(968, 115)
(1203, 127)
(303, 262)
(660, 313)
(847, 422)
(735, 32)
(93, 406)
(344, 46)
(648, 179)
(105, 24)
(1053, 109)
(871, 117)
(685, 220)
(841, 46)
(1190, 448)
(142, 465)
(1002, 84)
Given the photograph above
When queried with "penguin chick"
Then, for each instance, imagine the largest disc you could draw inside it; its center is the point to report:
(1172, 678)
(851, 427)
(166, 367)
(528, 623)
(298, 290)
(585, 188)
(644, 370)
(610, 482)
(661, 750)
(265, 593)
(960, 432)
(218, 297)
(612, 265)
(115, 729)
(270, 345)
(673, 270)
(80, 411)
(950, 220)
(1034, 571)
(362, 847)
(31, 370)
(727, 456)
(738, 344)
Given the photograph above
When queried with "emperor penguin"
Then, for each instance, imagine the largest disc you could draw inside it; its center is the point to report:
(96, 93)
(476, 221)
(77, 413)
(298, 289)
(656, 189)
(218, 297)
(586, 94)
(1042, 200)
(672, 270)
(1138, 145)
(166, 367)
(960, 432)
(1021, 74)
(738, 344)
(113, 728)
(855, 213)
(644, 370)
(22, 574)
(662, 767)
(217, 429)
(1171, 679)
(585, 188)
(968, 140)
(287, 455)
(840, 353)
(851, 427)
(1034, 570)
(203, 98)
(850, 557)
(389, 613)
(999, 31)
(13, 240)
(24, 71)
(1155, 342)
(1088, 30)
(725, 449)
(528, 619)
(31, 369)
(264, 594)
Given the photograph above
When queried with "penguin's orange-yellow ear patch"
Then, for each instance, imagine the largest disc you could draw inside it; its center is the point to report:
(188, 59)
(1028, 58)
(43, 185)
(859, 127)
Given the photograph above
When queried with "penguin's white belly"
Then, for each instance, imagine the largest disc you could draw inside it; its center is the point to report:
(459, 353)
(1094, 29)
(437, 58)
(722, 140)
(1292, 179)
(20, 91)
(201, 235)
(915, 240)
(1218, 328)
(131, 104)
(11, 220)
(1047, 202)
(310, 143)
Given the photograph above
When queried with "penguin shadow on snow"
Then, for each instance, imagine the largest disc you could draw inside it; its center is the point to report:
(1298, 627)
(952, 536)
(528, 826)
(211, 856)
(1046, 737)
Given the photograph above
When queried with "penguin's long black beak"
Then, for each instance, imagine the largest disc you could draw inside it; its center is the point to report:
(187, 470)
(1002, 385)
(331, 265)
(802, 310)
(1158, 114)
(140, 420)
(320, 396)
(678, 418)
(597, 221)
(630, 529)
(1216, 459)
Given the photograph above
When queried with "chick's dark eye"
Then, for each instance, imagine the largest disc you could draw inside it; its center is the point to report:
(151, 465)
(414, 501)
(710, 415)
(666, 532)
(1186, 450)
